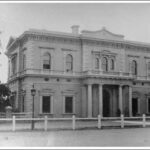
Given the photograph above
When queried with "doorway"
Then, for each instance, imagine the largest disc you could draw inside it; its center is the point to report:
(106, 103)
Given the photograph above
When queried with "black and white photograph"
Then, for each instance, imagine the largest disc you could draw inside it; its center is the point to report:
(74, 74)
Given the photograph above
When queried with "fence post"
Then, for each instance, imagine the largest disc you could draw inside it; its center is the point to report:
(45, 123)
(99, 122)
(122, 121)
(144, 121)
(13, 123)
(73, 122)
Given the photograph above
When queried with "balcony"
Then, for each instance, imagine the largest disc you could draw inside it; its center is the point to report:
(88, 73)
(108, 74)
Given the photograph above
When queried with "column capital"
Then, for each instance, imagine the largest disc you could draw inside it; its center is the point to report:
(121, 85)
(101, 84)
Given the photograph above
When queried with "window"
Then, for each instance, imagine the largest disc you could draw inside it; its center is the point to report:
(46, 104)
(148, 105)
(97, 63)
(134, 67)
(47, 61)
(149, 66)
(68, 104)
(112, 64)
(104, 64)
(24, 61)
(69, 63)
(14, 65)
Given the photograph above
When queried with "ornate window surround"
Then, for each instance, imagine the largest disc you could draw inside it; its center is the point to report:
(47, 92)
(105, 53)
(72, 94)
(138, 96)
(50, 51)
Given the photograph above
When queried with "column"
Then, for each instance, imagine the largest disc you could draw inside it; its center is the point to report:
(130, 101)
(101, 100)
(84, 97)
(89, 100)
(120, 98)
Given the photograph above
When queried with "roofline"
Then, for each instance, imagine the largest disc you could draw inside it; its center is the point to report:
(74, 36)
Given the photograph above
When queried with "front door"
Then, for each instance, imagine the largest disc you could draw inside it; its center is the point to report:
(106, 104)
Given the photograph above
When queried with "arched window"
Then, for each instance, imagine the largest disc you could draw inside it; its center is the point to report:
(69, 63)
(97, 63)
(104, 64)
(134, 67)
(46, 61)
(24, 62)
(112, 64)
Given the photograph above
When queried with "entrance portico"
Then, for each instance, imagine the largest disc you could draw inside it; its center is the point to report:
(107, 99)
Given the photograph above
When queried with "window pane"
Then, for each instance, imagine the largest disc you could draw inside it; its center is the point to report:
(69, 105)
(69, 63)
(112, 64)
(149, 66)
(96, 63)
(149, 105)
(46, 104)
(104, 64)
(24, 61)
(46, 61)
(14, 65)
(134, 67)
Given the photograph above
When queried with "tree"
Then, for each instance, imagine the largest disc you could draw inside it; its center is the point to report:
(4, 90)
(4, 97)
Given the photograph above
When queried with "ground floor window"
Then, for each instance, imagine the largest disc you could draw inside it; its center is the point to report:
(68, 104)
(46, 104)
(135, 109)
(148, 105)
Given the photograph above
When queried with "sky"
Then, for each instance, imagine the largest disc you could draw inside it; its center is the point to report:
(130, 19)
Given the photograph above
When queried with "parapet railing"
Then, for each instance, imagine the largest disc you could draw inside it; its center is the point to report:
(79, 74)
(76, 123)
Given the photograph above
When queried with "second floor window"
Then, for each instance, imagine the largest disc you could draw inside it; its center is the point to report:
(104, 64)
(134, 67)
(112, 64)
(14, 65)
(24, 62)
(47, 61)
(148, 66)
(97, 63)
(69, 63)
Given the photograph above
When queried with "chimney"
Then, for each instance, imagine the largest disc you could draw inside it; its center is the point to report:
(75, 29)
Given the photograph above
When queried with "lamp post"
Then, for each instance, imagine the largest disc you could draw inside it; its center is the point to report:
(33, 92)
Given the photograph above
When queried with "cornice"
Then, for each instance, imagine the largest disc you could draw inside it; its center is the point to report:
(68, 37)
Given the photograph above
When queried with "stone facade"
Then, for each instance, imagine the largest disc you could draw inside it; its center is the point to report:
(86, 74)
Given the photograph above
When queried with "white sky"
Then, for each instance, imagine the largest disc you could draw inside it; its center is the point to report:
(131, 20)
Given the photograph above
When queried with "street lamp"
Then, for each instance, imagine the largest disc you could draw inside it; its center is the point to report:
(33, 92)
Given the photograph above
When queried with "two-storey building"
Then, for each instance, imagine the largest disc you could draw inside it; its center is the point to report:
(86, 73)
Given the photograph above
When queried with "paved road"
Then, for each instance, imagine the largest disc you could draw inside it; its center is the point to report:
(134, 137)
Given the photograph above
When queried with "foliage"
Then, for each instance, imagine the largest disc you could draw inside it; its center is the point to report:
(4, 97)
(4, 90)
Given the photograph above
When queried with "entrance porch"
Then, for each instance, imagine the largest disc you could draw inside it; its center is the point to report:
(106, 100)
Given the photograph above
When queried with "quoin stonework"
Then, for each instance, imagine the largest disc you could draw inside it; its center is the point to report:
(85, 73)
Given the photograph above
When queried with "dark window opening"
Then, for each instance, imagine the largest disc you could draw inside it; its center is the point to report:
(46, 104)
(149, 105)
(69, 105)
(134, 106)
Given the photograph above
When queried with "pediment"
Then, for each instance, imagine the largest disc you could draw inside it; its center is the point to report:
(102, 34)
(11, 40)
